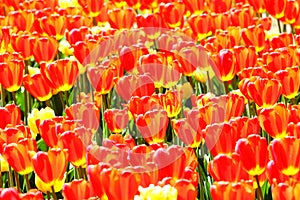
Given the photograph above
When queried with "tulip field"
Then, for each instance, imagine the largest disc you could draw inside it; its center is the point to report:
(150, 99)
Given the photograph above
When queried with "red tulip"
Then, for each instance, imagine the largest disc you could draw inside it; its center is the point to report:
(285, 191)
(91, 7)
(21, 20)
(126, 15)
(254, 36)
(78, 189)
(201, 25)
(290, 81)
(21, 43)
(10, 116)
(44, 48)
(11, 74)
(276, 8)
(172, 14)
(153, 125)
(285, 153)
(116, 119)
(54, 25)
(225, 68)
(253, 152)
(245, 57)
(274, 120)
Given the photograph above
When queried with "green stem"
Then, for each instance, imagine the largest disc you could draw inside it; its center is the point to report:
(17, 181)
(2, 96)
(210, 85)
(10, 177)
(27, 182)
(226, 86)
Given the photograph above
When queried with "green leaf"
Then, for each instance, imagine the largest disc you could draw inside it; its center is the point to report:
(41, 145)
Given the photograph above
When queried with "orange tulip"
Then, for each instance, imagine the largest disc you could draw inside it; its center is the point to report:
(76, 149)
(49, 131)
(294, 113)
(285, 191)
(94, 172)
(116, 119)
(135, 85)
(282, 40)
(54, 25)
(195, 6)
(19, 155)
(265, 92)
(254, 36)
(140, 105)
(228, 190)
(290, 81)
(227, 168)
(21, 20)
(189, 129)
(245, 57)
(294, 129)
(258, 5)
(61, 74)
(172, 14)
(253, 152)
(242, 17)
(11, 74)
(274, 120)
(78, 189)
(50, 168)
(91, 7)
(153, 125)
(150, 21)
(201, 25)
(224, 68)
(171, 102)
(219, 6)
(127, 15)
(278, 60)
(285, 153)
(253, 71)
(245, 126)
(44, 48)
(21, 43)
(276, 8)
(77, 21)
(10, 116)
(220, 21)
(163, 73)
(86, 114)
(37, 86)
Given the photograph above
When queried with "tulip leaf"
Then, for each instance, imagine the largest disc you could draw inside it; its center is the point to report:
(41, 145)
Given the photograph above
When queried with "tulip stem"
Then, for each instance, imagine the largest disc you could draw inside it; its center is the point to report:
(53, 193)
(279, 25)
(48, 195)
(17, 181)
(2, 96)
(1, 182)
(10, 178)
(226, 86)
(27, 182)
(259, 192)
(62, 100)
(79, 171)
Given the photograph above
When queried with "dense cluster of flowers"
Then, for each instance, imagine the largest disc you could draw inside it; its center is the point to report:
(149, 99)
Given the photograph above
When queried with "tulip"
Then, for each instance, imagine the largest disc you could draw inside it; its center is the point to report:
(201, 25)
(32, 194)
(276, 8)
(245, 57)
(140, 105)
(172, 14)
(274, 120)
(285, 153)
(37, 116)
(194, 6)
(157, 192)
(116, 119)
(10, 115)
(253, 152)
(258, 6)
(285, 191)
(37, 86)
(21, 43)
(9, 193)
(11, 74)
(135, 85)
(60, 75)
(127, 15)
(21, 20)
(19, 155)
(227, 168)
(290, 81)
(44, 48)
(91, 7)
(278, 60)
(228, 190)
(242, 17)
(78, 189)
(50, 168)
(254, 36)
(225, 68)
(153, 125)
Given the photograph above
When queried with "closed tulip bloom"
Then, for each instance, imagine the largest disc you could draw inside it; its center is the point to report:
(9, 193)
(10, 116)
(21, 43)
(172, 14)
(50, 168)
(73, 143)
(201, 25)
(274, 120)
(78, 189)
(228, 190)
(116, 119)
(227, 168)
(54, 25)
(171, 102)
(44, 48)
(225, 68)
(60, 75)
(21, 20)
(290, 81)
(127, 16)
(37, 86)
(32, 194)
(285, 191)
(91, 7)
(254, 36)
(253, 152)
(245, 57)
(285, 153)
(19, 155)
(153, 125)
(275, 8)
(258, 5)
(11, 74)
